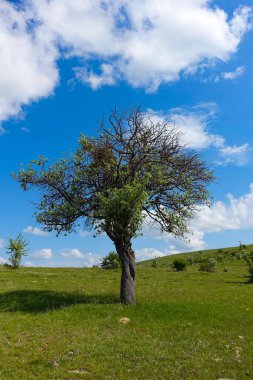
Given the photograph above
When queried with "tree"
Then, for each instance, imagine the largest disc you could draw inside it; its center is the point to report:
(135, 169)
(17, 248)
(111, 261)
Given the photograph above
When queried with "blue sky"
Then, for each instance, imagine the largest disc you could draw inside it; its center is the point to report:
(65, 65)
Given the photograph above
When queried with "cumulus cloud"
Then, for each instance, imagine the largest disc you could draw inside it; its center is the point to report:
(88, 259)
(2, 131)
(145, 43)
(239, 155)
(107, 76)
(84, 233)
(193, 241)
(35, 231)
(229, 75)
(3, 260)
(27, 61)
(235, 214)
(195, 127)
(45, 253)
(149, 253)
(232, 214)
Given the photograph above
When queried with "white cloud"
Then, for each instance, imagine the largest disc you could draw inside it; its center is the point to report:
(74, 253)
(84, 233)
(95, 81)
(236, 213)
(45, 253)
(145, 43)
(196, 134)
(239, 155)
(149, 253)
(3, 260)
(35, 231)
(193, 241)
(1, 243)
(24, 129)
(229, 75)
(2, 131)
(88, 259)
(27, 60)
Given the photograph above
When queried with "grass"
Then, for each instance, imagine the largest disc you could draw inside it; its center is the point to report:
(64, 323)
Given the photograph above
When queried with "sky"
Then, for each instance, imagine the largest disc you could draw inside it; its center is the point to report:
(64, 66)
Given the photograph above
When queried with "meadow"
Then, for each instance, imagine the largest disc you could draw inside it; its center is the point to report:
(64, 323)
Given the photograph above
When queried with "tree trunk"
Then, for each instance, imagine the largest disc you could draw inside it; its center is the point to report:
(127, 257)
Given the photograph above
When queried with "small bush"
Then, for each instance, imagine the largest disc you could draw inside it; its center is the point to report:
(179, 264)
(190, 260)
(225, 269)
(111, 261)
(209, 265)
(154, 263)
(249, 260)
(219, 258)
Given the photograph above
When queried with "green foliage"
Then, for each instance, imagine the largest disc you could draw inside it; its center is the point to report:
(122, 209)
(190, 260)
(154, 263)
(16, 249)
(111, 261)
(249, 260)
(133, 168)
(208, 265)
(179, 264)
(242, 246)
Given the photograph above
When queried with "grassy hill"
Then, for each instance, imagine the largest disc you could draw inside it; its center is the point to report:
(64, 323)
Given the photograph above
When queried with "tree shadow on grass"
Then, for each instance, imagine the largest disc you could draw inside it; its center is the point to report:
(40, 301)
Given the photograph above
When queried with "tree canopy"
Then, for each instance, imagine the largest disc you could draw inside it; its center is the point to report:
(136, 168)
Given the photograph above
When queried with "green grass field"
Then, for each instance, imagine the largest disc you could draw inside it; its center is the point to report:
(64, 323)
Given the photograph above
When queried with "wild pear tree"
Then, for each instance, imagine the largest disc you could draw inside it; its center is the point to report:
(134, 169)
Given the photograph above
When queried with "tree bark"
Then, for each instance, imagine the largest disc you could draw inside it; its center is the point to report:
(128, 275)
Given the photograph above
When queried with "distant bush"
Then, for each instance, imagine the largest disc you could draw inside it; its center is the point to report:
(16, 249)
(198, 259)
(111, 261)
(209, 265)
(154, 263)
(190, 260)
(179, 264)
(219, 258)
(225, 269)
(249, 260)
(242, 246)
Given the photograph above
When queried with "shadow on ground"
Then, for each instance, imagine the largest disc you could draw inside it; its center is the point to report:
(40, 301)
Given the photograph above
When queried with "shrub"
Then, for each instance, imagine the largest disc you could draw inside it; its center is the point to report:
(219, 258)
(111, 261)
(17, 248)
(225, 269)
(190, 260)
(179, 264)
(241, 246)
(209, 265)
(154, 263)
(249, 260)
